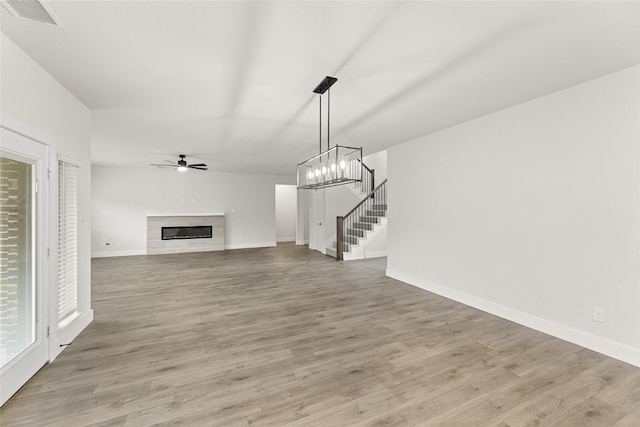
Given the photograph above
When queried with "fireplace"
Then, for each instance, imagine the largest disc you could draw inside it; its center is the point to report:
(187, 232)
(172, 234)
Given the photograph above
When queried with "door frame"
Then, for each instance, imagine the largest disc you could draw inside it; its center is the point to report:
(317, 240)
(46, 226)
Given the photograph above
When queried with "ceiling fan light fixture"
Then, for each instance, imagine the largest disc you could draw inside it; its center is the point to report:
(181, 165)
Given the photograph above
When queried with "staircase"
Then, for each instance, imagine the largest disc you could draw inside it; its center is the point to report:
(361, 226)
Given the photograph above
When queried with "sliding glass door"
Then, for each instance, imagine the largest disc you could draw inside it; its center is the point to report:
(23, 346)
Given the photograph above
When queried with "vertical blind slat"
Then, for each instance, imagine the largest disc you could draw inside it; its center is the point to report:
(67, 239)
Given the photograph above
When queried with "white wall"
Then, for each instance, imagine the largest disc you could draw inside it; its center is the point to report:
(286, 211)
(531, 213)
(377, 162)
(124, 196)
(34, 98)
(376, 245)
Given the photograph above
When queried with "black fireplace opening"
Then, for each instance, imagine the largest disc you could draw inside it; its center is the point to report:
(187, 232)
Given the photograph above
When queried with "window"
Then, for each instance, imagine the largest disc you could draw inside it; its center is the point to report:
(67, 238)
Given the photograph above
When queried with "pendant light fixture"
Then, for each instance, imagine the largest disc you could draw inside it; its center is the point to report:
(335, 166)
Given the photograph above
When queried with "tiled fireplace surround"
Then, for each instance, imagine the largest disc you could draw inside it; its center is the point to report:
(155, 244)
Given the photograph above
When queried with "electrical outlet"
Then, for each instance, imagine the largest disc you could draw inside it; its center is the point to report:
(598, 314)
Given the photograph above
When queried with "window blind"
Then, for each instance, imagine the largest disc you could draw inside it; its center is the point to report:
(67, 239)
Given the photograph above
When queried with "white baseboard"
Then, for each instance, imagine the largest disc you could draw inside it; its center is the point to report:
(286, 239)
(144, 252)
(601, 345)
(117, 253)
(250, 245)
(376, 254)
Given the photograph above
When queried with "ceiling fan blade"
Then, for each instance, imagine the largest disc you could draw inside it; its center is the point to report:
(197, 164)
(198, 167)
(162, 165)
(169, 161)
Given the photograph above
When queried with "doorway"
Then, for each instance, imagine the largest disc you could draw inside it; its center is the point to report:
(23, 260)
(286, 213)
(316, 229)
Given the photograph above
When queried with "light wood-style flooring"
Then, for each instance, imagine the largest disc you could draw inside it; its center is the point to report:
(286, 336)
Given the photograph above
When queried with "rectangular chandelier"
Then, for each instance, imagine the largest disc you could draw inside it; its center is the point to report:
(336, 166)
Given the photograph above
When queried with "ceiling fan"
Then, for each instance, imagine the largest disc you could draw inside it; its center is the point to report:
(181, 165)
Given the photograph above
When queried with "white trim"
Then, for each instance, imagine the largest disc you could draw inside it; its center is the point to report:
(46, 241)
(68, 320)
(16, 126)
(250, 245)
(375, 254)
(69, 160)
(185, 214)
(601, 345)
(103, 254)
(286, 239)
(11, 383)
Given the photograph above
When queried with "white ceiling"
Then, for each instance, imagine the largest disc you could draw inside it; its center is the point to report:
(230, 83)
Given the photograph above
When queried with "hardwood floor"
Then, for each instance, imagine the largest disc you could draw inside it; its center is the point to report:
(288, 337)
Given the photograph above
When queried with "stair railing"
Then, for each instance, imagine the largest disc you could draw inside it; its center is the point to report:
(353, 225)
(368, 178)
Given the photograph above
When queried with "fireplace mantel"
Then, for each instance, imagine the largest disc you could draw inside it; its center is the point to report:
(155, 244)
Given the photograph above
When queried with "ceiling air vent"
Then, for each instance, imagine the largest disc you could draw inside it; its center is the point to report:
(33, 10)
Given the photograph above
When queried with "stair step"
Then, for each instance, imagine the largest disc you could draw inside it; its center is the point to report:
(351, 239)
(355, 232)
(379, 206)
(363, 225)
(369, 218)
(376, 212)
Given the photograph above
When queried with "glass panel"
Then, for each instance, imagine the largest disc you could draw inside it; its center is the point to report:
(188, 232)
(17, 278)
(337, 166)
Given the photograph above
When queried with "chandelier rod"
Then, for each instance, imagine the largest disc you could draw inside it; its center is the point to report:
(328, 117)
(322, 87)
(320, 126)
